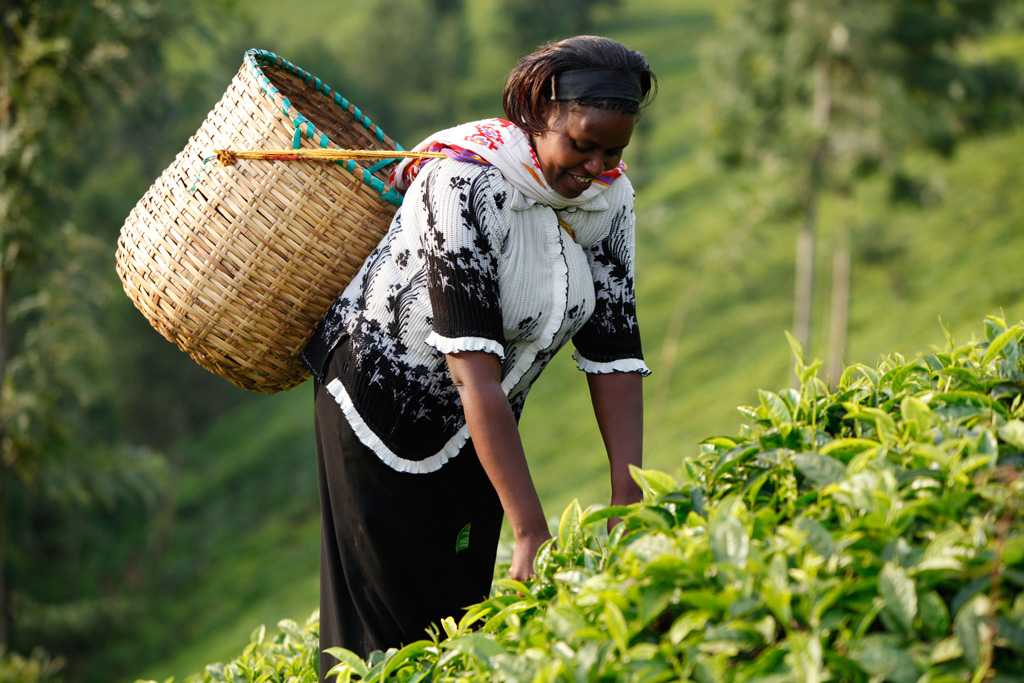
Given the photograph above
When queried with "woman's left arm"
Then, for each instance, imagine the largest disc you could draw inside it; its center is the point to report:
(618, 407)
(608, 348)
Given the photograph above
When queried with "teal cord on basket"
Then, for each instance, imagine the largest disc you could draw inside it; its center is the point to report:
(379, 165)
(202, 170)
(257, 59)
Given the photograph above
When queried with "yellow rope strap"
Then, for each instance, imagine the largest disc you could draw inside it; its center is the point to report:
(227, 157)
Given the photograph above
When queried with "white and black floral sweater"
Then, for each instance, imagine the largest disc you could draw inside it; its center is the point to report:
(470, 263)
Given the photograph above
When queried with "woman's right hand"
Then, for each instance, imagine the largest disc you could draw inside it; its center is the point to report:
(495, 435)
(524, 554)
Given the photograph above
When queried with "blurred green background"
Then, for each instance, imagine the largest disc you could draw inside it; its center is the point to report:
(152, 515)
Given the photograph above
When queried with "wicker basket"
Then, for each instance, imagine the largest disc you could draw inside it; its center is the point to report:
(237, 264)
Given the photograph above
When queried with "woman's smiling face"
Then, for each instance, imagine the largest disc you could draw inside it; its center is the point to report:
(580, 144)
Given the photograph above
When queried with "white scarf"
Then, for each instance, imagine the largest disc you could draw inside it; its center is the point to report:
(505, 146)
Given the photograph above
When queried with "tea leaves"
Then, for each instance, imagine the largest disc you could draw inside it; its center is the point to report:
(870, 531)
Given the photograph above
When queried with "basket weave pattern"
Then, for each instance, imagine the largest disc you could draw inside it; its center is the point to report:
(237, 264)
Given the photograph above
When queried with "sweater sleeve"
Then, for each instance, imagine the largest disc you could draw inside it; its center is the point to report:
(610, 340)
(463, 215)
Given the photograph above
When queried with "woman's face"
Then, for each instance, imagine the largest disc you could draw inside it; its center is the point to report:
(580, 144)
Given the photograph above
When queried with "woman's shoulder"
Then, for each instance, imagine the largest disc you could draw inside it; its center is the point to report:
(454, 195)
(462, 177)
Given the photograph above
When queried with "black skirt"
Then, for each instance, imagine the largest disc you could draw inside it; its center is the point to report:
(390, 558)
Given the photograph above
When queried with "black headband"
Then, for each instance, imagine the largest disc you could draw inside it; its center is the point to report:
(596, 84)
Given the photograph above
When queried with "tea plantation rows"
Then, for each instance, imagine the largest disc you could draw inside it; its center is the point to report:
(866, 532)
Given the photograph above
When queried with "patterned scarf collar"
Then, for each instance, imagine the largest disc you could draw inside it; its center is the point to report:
(502, 144)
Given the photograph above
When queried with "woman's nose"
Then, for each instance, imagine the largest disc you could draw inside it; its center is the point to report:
(595, 165)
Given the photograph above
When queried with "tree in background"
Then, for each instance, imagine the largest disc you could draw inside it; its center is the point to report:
(824, 93)
(535, 22)
(68, 481)
(428, 67)
(417, 60)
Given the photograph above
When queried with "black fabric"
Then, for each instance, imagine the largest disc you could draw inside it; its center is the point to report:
(612, 333)
(461, 263)
(388, 560)
(317, 351)
(401, 388)
(597, 84)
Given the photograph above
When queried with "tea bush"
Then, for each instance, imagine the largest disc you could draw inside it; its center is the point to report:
(868, 532)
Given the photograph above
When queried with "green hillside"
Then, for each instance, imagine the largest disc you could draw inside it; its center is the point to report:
(715, 285)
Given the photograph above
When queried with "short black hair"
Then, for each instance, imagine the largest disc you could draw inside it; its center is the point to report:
(528, 90)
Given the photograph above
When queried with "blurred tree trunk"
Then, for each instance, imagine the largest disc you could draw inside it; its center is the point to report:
(803, 301)
(5, 603)
(832, 92)
(839, 309)
(6, 460)
(7, 116)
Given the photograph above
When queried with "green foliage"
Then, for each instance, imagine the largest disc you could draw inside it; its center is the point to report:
(535, 22)
(211, 570)
(290, 656)
(423, 75)
(71, 484)
(39, 667)
(431, 63)
(713, 294)
(820, 96)
(866, 532)
(856, 82)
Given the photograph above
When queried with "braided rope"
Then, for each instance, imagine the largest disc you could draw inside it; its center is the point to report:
(228, 157)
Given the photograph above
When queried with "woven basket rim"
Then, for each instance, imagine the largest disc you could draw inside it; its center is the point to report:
(255, 59)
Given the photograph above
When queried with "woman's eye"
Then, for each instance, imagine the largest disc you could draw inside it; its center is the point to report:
(580, 148)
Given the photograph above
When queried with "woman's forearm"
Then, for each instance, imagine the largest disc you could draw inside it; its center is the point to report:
(495, 434)
(618, 406)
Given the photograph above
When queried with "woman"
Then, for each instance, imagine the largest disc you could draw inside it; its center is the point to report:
(519, 241)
